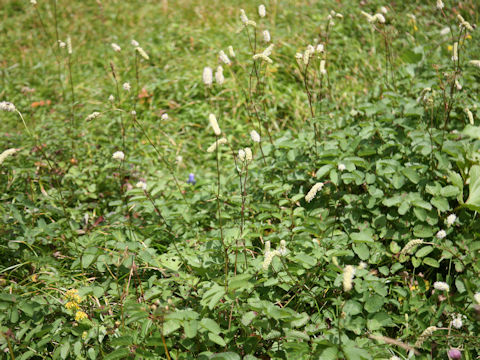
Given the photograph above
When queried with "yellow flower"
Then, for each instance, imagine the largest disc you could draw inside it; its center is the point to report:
(72, 305)
(84, 335)
(468, 37)
(72, 295)
(449, 47)
(80, 315)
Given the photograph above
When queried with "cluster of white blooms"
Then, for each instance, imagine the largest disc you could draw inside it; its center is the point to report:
(6, 154)
(323, 71)
(384, 10)
(61, 44)
(255, 136)
(410, 245)
(92, 116)
(266, 36)
(441, 234)
(313, 191)
(476, 297)
(33, 2)
(424, 335)
(141, 185)
(7, 106)
(464, 24)
(395, 357)
(207, 76)
(374, 18)
(309, 53)
(118, 155)
(348, 274)
(455, 51)
(332, 15)
(126, 86)
(69, 46)
(111, 98)
(116, 47)
(269, 254)
(245, 155)
(341, 167)
(475, 63)
(245, 20)
(164, 116)
(451, 219)
(441, 286)
(142, 53)
(134, 43)
(231, 52)
(219, 78)
(213, 147)
(224, 58)
(265, 55)
(470, 116)
(214, 124)
(133, 112)
(457, 322)
(440, 5)
(445, 31)
(262, 11)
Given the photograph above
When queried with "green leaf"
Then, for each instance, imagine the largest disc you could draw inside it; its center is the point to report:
(362, 237)
(118, 354)
(122, 341)
(210, 325)
(87, 259)
(240, 281)
(374, 303)
(473, 201)
(424, 251)
(191, 328)
(218, 340)
(225, 356)
(431, 262)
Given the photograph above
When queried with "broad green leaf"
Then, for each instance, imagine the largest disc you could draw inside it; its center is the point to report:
(473, 201)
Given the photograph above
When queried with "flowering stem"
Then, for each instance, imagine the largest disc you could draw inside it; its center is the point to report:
(219, 209)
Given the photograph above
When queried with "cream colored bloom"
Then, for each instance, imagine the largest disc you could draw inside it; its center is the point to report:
(441, 286)
(322, 67)
(118, 155)
(262, 11)
(6, 154)
(214, 146)
(69, 46)
(248, 154)
(7, 106)
(116, 47)
(92, 116)
(241, 155)
(214, 124)
(231, 52)
(207, 76)
(219, 78)
(164, 116)
(410, 245)
(313, 191)
(424, 335)
(134, 43)
(476, 297)
(470, 116)
(142, 53)
(440, 4)
(266, 36)
(341, 167)
(243, 17)
(141, 185)
(224, 58)
(348, 274)
(255, 136)
(455, 51)
(126, 86)
(475, 63)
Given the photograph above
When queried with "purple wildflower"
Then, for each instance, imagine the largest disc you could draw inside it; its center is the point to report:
(454, 354)
(191, 179)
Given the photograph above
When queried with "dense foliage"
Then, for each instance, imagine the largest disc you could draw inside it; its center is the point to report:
(300, 202)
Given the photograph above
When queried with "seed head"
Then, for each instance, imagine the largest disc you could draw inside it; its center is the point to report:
(231, 52)
(142, 53)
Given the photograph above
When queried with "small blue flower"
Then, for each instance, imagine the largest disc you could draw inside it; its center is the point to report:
(191, 179)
